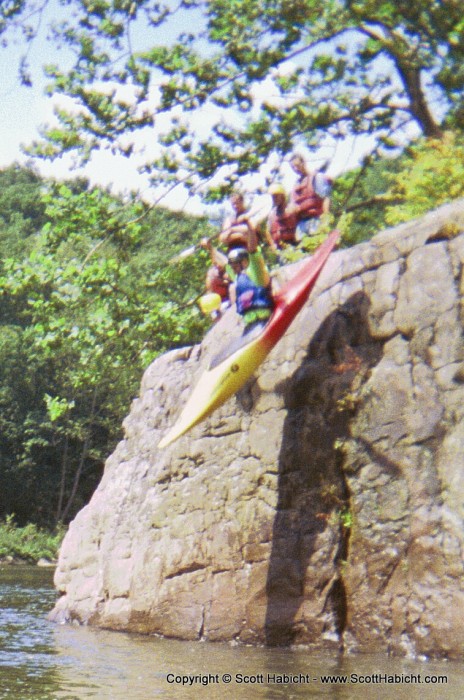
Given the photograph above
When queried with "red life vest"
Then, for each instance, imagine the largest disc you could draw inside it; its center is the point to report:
(304, 197)
(282, 226)
(218, 282)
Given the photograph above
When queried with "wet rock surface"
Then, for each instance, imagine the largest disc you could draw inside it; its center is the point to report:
(323, 504)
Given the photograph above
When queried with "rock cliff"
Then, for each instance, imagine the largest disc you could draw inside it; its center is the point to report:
(323, 505)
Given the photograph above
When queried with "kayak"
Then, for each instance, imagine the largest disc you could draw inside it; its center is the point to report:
(230, 369)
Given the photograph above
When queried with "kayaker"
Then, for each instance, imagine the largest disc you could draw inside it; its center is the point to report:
(233, 235)
(251, 288)
(283, 219)
(310, 195)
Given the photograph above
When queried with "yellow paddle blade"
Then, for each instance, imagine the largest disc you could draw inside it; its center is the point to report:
(209, 302)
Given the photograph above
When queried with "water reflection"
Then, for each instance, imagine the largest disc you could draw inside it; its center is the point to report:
(42, 661)
(109, 666)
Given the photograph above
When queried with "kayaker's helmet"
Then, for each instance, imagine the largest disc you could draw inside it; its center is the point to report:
(237, 255)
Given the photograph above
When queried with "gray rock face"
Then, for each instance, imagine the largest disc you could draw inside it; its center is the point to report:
(323, 505)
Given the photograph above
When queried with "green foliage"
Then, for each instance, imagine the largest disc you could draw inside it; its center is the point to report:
(28, 543)
(362, 196)
(343, 518)
(56, 407)
(22, 212)
(346, 518)
(87, 306)
(390, 190)
(432, 174)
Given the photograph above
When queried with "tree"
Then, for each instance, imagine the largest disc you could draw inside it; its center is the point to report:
(432, 174)
(21, 208)
(87, 297)
(85, 308)
(351, 67)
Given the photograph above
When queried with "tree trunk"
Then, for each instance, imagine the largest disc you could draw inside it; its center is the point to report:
(83, 457)
(64, 466)
(411, 78)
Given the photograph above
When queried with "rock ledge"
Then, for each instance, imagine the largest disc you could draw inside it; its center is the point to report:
(323, 505)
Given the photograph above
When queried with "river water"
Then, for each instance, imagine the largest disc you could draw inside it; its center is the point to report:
(43, 661)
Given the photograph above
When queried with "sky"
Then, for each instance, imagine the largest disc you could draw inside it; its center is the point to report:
(23, 110)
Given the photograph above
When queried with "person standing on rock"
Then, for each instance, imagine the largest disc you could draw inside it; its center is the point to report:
(310, 195)
(283, 219)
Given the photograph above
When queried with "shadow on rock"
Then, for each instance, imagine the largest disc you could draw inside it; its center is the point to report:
(305, 593)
